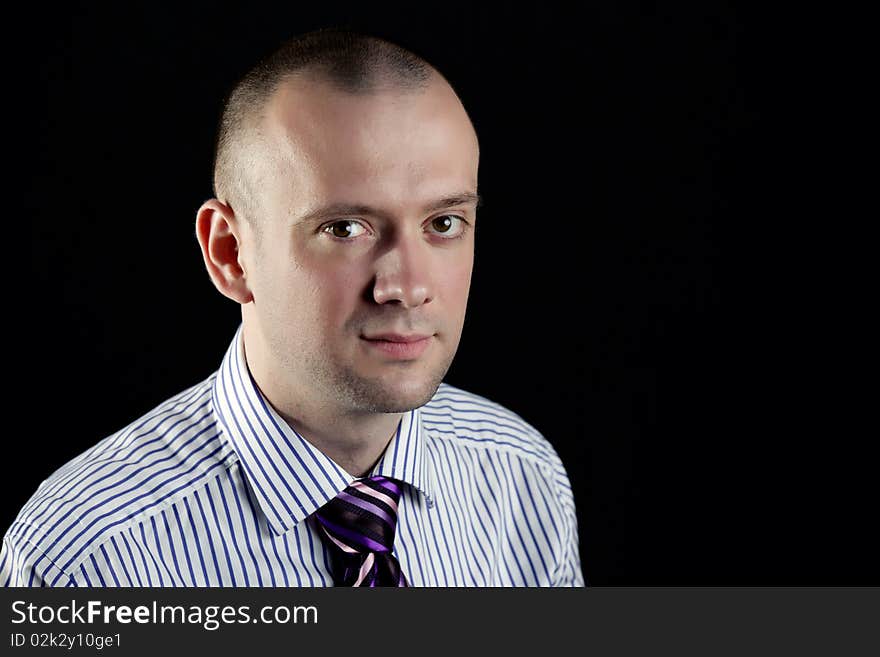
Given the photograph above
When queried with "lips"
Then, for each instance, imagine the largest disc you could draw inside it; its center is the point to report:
(396, 346)
(396, 337)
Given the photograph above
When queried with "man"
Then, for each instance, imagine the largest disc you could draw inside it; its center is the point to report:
(326, 449)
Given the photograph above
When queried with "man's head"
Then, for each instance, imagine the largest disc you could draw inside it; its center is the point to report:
(346, 183)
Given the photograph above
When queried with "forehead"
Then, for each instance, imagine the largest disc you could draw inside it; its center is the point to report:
(390, 141)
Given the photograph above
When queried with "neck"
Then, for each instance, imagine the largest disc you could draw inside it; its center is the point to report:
(353, 439)
(354, 442)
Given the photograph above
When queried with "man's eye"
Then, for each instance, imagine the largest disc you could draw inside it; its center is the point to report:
(345, 229)
(448, 225)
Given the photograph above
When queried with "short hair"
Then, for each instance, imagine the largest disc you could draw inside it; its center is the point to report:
(350, 61)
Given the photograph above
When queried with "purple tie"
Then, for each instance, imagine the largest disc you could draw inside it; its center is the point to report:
(358, 526)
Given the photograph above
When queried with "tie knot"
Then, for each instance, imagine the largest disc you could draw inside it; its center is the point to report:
(363, 517)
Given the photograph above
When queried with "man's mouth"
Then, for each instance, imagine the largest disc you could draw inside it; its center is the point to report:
(398, 346)
(397, 337)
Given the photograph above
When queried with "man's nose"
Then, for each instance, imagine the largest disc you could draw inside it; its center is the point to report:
(403, 274)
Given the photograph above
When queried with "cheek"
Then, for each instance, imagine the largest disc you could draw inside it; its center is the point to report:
(305, 277)
(334, 292)
(456, 281)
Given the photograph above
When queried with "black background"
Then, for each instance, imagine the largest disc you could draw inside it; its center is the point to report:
(640, 293)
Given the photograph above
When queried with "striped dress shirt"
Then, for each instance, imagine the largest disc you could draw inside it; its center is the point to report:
(214, 488)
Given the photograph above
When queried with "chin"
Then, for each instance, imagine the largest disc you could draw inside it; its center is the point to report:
(394, 395)
(399, 399)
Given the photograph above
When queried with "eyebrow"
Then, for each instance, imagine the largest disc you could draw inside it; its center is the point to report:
(347, 209)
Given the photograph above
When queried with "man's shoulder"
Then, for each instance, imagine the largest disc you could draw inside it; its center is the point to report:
(470, 419)
(157, 436)
(125, 477)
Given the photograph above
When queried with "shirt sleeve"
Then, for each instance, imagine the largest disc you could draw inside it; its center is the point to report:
(568, 572)
(23, 564)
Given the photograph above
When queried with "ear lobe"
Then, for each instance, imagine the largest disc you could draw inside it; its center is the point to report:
(218, 234)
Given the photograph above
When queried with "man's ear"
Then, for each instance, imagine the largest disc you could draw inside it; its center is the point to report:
(219, 236)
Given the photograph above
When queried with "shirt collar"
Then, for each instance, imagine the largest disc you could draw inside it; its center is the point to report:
(291, 478)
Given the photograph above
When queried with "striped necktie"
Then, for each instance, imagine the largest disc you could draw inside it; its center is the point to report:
(358, 526)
